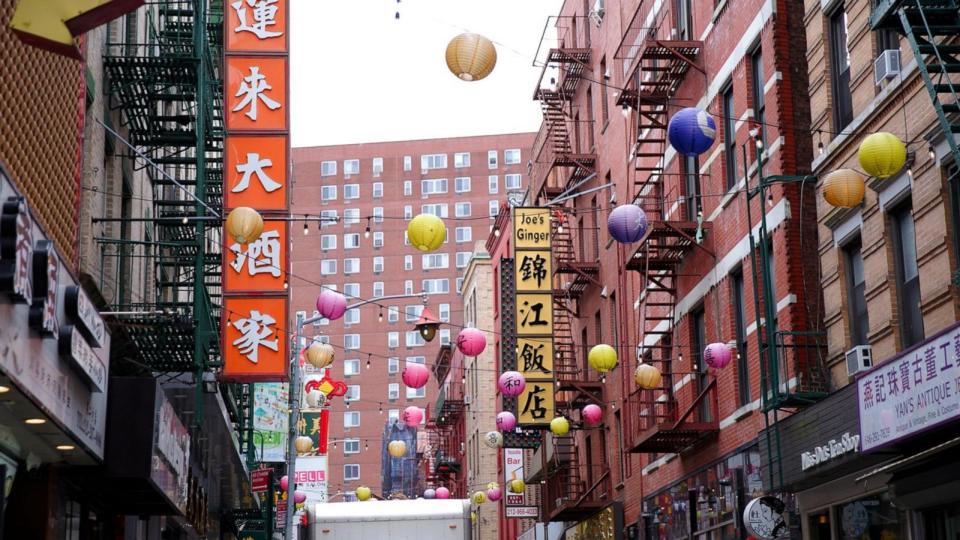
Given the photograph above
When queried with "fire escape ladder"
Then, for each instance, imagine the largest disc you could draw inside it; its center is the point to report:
(574, 489)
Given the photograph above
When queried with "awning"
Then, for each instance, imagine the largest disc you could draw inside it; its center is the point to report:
(909, 460)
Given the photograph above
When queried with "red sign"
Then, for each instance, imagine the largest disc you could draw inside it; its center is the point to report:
(281, 514)
(259, 480)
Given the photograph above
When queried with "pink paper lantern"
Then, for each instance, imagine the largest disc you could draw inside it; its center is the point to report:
(412, 416)
(443, 493)
(592, 414)
(717, 355)
(506, 421)
(299, 497)
(494, 494)
(511, 384)
(331, 304)
(471, 341)
(415, 375)
(284, 484)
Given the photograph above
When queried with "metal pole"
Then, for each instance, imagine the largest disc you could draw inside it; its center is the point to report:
(294, 419)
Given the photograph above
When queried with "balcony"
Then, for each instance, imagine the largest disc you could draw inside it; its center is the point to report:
(560, 162)
(659, 422)
(573, 491)
(570, 59)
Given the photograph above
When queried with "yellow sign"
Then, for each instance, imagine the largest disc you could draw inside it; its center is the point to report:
(53, 24)
(536, 404)
(534, 314)
(534, 271)
(535, 357)
(531, 228)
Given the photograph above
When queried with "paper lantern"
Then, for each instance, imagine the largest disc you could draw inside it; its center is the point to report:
(473, 517)
(843, 188)
(331, 304)
(517, 486)
(244, 224)
(426, 232)
(412, 416)
(647, 376)
(691, 131)
(429, 493)
(397, 449)
(491, 485)
(493, 439)
(592, 414)
(627, 223)
(303, 444)
(320, 355)
(471, 341)
(506, 421)
(494, 493)
(602, 358)
(284, 483)
(511, 384)
(471, 57)
(560, 426)
(479, 497)
(316, 399)
(882, 154)
(363, 493)
(415, 375)
(299, 497)
(717, 355)
(443, 493)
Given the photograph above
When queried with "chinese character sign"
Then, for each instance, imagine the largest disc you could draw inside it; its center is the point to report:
(535, 357)
(256, 93)
(534, 314)
(255, 172)
(534, 271)
(255, 338)
(259, 265)
(256, 26)
(536, 404)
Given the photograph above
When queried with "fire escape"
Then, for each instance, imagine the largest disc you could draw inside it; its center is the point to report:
(655, 67)
(445, 426)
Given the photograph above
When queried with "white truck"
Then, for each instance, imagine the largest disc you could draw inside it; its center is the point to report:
(419, 519)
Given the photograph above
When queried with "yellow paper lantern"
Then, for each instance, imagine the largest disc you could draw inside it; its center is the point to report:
(244, 224)
(479, 497)
(426, 232)
(843, 188)
(517, 486)
(471, 57)
(882, 154)
(560, 426)
(397, 448)
(320, 355)
(602, 358)
(492, 485)
(473, 517)
(363, 493)
(647, 376)
(303, 444)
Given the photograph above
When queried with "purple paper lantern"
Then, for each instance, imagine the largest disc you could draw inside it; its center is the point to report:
(592, 414)
(511, 384)
(506, 421)
(471, 341)
(331, 304)
(627, 223)
(691, 131)
(299, 497)
(430, 493)
(412, 416)
(717, 355)
(443, 493)
(494, 494)
(415, 375)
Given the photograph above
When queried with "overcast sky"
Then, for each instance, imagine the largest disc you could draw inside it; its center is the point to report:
(359, 75)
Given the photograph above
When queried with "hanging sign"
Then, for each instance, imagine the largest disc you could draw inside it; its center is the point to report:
(512, 470)
(255, 339)
(763, 518)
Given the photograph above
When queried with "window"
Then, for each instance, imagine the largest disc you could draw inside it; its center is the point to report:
(461, 160)
(729, 137)
(351, 341)
(493, 208)
(463, 258)
(407, 163)
(413, 339)
(433, 161)
(352, 316)
(511, 181)
(411, 312)
(493, 184)
(328, 241)
(351, 291)
(322, 339)
(757, 83)
(318, 322)
(328, 218)
(461, 209)
(377, 289)
(492, 159)
(328, 267)
(698, 341)
(393, 414)
(856, 286)
(328, 168)
(351, 216)
(416, 359)
(351, 367)
(433, 186)
(414, 393)
(351, 446)
(439, 210)
(908, 275)
(351, 191)
(378, 239)
(377, 265)
(351, 472)
(436, 286)
(740, 324)
(464, 234)
(351, 419)
(351, 241)
(328, 193)
(407, 188)
(393, 365)
(840, 69)
(444, 336)
(408, 262)
(377, 166)
(407, 212)
(462, 184)
(444, 313)
(393, 314)
(353, 393)
(393, 391)
(351, 266)
(604, 92)
(683, 18)
(393, 340)
(459, 285)
(432, 261)
(408, 286)
(378, 190)
(351, 166)
(887, 38)
(511, 156)
(378, 214)
(691, 172)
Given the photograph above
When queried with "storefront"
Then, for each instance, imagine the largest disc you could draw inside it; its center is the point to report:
(607, 524)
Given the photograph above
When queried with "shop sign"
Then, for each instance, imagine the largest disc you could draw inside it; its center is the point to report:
(281, 514)
(311, 478)
(512, 470)
(16, 250)
(171, 454)
(89, 366)
(81, 311)
(255, 342)
(531, 228)
(833, 449)
(270, 421)
(523, 512)
(259, 480)
(256, 26)
(46, 289)
(763, 518)
(915, 391)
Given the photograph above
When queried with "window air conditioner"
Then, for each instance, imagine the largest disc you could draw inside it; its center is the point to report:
(859, 358)
(886, 66)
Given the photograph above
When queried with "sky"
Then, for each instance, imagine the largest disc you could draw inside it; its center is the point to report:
(359, 75)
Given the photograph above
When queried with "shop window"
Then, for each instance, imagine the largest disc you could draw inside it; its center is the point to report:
(818, 525)
(870, 517)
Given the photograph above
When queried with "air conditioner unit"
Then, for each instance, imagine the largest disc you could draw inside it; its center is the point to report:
(886, 66)
(859, 358)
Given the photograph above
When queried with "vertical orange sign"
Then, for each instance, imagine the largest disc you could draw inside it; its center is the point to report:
(255, 172)
(255, 338)
(258, 26)
(255, 98)
(259, 266)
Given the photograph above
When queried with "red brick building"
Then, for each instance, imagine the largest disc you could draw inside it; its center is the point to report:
(379, 187)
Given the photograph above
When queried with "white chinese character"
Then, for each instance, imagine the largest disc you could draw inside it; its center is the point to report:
(255, 165)
(252, 89)
(261, 257)
(264, 14)
(255, 330)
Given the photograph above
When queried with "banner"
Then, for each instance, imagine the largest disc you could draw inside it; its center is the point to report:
(311, 478)
(270, 421)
